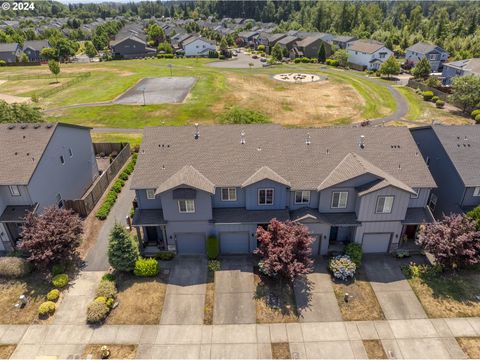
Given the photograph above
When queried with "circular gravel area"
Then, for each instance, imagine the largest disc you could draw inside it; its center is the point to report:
(298, 78)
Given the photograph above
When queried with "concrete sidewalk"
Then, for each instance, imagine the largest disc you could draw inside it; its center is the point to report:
(409, 339)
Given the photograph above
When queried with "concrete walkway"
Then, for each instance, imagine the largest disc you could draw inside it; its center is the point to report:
(396, 297)
(315, 298)
(97, 258)
(409, 339)
(185, 295)
(234, 289)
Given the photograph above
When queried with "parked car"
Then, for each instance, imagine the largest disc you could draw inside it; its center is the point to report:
(254, 56)
(263, 60)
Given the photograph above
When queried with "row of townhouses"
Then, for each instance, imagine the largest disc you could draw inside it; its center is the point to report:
(374, 186)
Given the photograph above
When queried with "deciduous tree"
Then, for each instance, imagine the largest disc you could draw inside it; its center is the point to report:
(285, 250)
(277, 52)
(54, 67)
(90, 49)
(466, 91)
(390, 67)
(453, 241)
(52, 237)
(341, 56)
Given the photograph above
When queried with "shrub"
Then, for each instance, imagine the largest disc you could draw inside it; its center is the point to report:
(53, 295)
(414, 270)
(14, 267)
(236, 115)
(214, 265)
(165, 56)
(60, 280)
(101, 299)
(342, 267)
(332, 62)
(110, 302)
(165, 256)
(146, 267)
(3, 63)
(477, 119)
(108, 277)
(427, 95)
(46, 308)
(213, 247)
(475, 113)
(106, 289)
(97, 312)
(435, 98)
(440, 104)
(354, 251)
(58, 269)
(117, 187)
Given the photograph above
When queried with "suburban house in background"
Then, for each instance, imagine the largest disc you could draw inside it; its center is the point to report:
(367, 185)
(435, 55)
(198, 46)
(33, 49)
(460, 68)
(309, 47)
(130, 47)
(287, 42)
(247, 38)
(10, 52)
(269, 40)
(451, 152)
(42, 165)
(341, 41)
(367, 54)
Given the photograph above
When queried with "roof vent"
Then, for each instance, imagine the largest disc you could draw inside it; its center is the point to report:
(308, 139)
(242, 137)
(259, 148)
(23, 126)
(197, 132)
(49, 126)
(328, 151)
(362, 141)
(36, 126)
(10, 127)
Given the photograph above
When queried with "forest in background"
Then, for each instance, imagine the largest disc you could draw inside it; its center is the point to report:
(452, 25)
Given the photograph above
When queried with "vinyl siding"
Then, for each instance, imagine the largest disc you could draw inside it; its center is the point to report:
(203, 208)
(422, 200)
(279, 197)
(144, 203)
(218, 203)
(368, 203)
(314, 196)
(469, 199)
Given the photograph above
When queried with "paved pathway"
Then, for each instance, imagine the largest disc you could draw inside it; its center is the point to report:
(419, 339)
(396, 297)
(97, 259)
(185, 295)
(315, 298)
(234, 292)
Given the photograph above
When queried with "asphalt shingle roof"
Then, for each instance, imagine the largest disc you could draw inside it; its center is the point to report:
(424, 48)
(365, 46)
(221, 158)
(8, 47)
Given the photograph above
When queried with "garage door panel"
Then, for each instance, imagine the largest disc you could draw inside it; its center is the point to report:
(190, 243)
(234, 242)
(376, 242)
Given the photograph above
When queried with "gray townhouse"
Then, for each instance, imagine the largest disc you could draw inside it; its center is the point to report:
(33, 49)
(130, 47)
(366, 185)
(452, 155)
(10, 52)
(41, 165)
(460, 68)
(435, 55)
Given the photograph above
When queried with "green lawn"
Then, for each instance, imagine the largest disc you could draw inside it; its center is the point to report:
(133, 139)
(208, 98)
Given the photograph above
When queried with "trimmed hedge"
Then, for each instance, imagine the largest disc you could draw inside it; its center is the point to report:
(305, 60)
(332, 62)
(213, 247)
(60, 280)
(440, 104)
(146, 267)
(165, 56)
(116, 188)
(355, 252)
(427, 95)
(475, 113)
(106, 289)
(97, 311)
(53, 295)
(46, 308)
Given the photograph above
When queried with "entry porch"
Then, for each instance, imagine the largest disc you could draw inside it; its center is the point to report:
(150, 227)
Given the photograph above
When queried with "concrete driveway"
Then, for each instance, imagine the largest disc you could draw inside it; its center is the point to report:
(396, 297)
(234, 290)
(185, 295)
(315, 298)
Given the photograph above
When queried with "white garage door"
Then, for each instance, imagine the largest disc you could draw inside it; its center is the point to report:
(234, 242)
(190, 243)
(376, 242)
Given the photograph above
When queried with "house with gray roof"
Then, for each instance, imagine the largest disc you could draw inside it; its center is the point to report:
(130, 47)
(367, 54)
(341, 41)
(460, 68)
(33, 49)
(435, 55)
(310, 47)
(364, 185)
(42, 165)
(10, 52)
(452, 154)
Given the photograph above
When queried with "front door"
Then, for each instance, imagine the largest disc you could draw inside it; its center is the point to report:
(410, 231)
(333, 234)
(152, 235)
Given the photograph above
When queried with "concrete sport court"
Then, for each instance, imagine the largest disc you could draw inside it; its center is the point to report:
(151, 91)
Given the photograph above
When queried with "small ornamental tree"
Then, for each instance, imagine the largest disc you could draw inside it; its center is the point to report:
(276, 52)
(122, 249)
(422, 70)
(90, 50)
(54, 67)
(285, 250)
(341, 56)
(390, 67)
(454, 241)
(52, 237)
(322, 54)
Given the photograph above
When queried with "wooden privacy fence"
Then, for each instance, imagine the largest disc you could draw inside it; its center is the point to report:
(86, 204)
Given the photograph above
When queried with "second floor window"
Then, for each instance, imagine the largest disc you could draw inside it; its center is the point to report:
(476, 191)
(229, 194)
(265, 196)
(150, 194)
(302, 197)
(186, 206)
(339, 199)
(384, 205)
(14, 190)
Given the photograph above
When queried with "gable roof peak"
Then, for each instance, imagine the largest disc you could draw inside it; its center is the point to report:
(265, 173)
(188, 176)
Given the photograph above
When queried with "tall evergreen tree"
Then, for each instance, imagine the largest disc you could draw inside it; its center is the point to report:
(122, 249)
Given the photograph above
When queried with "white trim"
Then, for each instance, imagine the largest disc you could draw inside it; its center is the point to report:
(150, 194)
(187, 211)
(417, 192)
(476, 191)
(339, 200)
(265, 189)
(14, 190)
(228, 193)
(302, 193)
